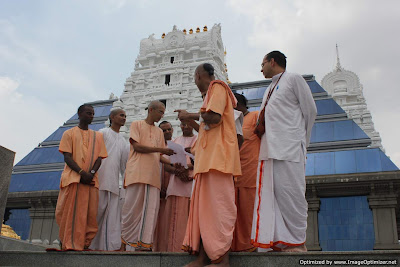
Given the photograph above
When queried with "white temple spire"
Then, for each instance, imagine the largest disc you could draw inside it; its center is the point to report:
(338, 66)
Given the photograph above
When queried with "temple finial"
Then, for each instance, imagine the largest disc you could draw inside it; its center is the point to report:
(338, 66)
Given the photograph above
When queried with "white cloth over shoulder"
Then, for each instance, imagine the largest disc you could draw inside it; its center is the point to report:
(238, 121)
(114, 165)
(289, 117)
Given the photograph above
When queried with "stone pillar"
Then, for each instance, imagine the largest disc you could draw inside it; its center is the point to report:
(6, 165)
(44, 229)
(312, 240)
(385, 227)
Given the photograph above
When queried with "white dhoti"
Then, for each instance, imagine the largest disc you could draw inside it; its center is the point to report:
(280, 208)
(139, 216)
(108, 236)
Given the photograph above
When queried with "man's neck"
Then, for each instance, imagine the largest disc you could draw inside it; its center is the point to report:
(278, 70)
(115, 128)
(191, 134)
(83, 126)
(149, 121)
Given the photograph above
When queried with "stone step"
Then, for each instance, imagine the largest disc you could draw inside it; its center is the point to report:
(143, 259)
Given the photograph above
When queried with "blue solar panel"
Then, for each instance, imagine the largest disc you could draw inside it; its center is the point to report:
(36, 181)
(56, 136)
(336, 131)
(42, 155)
(99, 111)
(328, 106)
(253, 108)
(315, 87)
(348, 161)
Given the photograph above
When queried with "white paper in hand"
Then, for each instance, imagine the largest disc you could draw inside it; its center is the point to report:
(180, 156)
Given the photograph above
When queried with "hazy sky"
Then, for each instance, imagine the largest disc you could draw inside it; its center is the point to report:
(55, 55)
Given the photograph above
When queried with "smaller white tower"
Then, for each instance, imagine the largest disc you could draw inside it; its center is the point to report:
(345, 88)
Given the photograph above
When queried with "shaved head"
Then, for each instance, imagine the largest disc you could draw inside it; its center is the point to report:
(205, 68)
(155, 104)
(115, 111)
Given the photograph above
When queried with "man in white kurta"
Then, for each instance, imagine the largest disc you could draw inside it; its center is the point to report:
(280, 210)
(109, 211)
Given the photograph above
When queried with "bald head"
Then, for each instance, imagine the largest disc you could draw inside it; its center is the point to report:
(155, 104)
(117, 118)
(203, 76)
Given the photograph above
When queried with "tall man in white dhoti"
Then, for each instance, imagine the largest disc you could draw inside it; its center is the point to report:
(109, 211)
(287, 116)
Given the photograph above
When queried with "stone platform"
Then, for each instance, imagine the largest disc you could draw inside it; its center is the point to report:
(142, 259)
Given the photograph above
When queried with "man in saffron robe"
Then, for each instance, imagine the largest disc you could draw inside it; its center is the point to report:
(245, 185)
(109, 212)
(142, 180)
(76, 209)
(212, 209)
(288, 112)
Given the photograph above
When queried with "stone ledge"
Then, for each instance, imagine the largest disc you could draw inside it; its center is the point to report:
(97, 258)
(11, 244)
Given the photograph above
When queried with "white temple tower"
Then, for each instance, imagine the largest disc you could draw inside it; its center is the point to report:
(164, 70)
(345, 88)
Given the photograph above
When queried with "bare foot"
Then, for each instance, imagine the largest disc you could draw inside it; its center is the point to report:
(196, 263)
(223, 262)
(301, 248)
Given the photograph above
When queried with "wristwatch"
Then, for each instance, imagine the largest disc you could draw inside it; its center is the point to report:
(93, 172)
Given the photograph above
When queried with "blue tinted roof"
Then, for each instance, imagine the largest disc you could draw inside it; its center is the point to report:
(336, 131)
(315, 87)
(348, 161)
(42, 155)
(56, 136)
(99, 111)
(36, 181)
(252, 93)
(328, 106)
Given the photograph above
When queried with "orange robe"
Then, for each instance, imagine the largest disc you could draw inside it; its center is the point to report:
(161, 232)
(245, 185)
(77, 203)
(142, 182)
(212, 213)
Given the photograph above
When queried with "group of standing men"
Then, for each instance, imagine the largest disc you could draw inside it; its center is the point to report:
(244, 189)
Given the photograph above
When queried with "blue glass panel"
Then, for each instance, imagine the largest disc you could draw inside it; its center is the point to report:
(56, 136)
(328, 106)
(343, 232)
(36, 181)
(387, 164)
(324, 163)
(324, 132)
(260, 92)
(20, 221)
(42, 155)
(345, 162)
(252, 94)
(315, 87)
(310, 165)
(368, 160)
(343, 130)
(313, 138)
(358, 132)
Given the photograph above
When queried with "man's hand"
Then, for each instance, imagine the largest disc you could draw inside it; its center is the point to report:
(183, 114)
(86, 178)
(188, 149)
(167, 151)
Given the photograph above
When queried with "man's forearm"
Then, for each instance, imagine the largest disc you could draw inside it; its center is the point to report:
(143, 149)
(71, 163)
(96, 165)
(211, 117)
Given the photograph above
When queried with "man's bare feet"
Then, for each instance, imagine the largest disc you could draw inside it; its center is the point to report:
(223, 262)
(301, 248)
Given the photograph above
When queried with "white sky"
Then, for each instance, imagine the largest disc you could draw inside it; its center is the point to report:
(55, 55)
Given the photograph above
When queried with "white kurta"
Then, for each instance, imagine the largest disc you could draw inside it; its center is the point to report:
(280, 210)
(109, 211)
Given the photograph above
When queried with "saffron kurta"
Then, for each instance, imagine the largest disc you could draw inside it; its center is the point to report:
(143, 183)
(280, 210)
(76, 208)
(212, 209)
